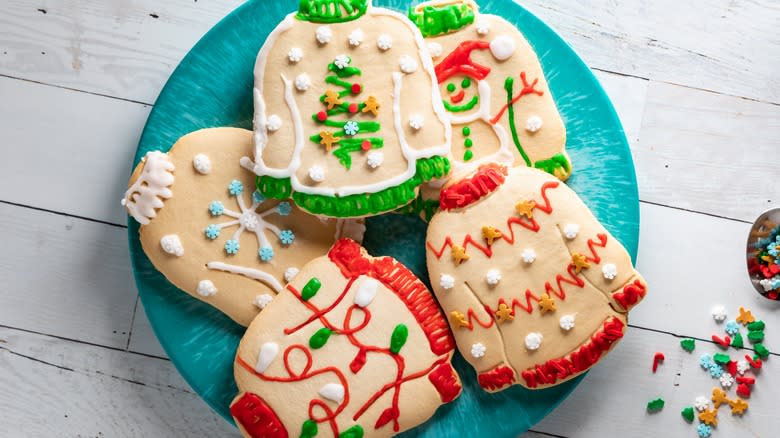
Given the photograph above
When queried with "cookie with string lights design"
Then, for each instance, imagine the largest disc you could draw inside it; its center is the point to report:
(536, 290)
(206, 228)
(354, 346)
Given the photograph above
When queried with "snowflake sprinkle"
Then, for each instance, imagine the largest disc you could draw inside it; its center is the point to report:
(232, 247)
(705, 361)
(528, 255)
(701, 403)
(478, 350)
(263, 300)
(286, 237)
(266, 253)
(212, 231)
(284, 208)
(732, 327)
(236, 187)
(351, 128)
(715, 370)
(742, 366)
(216, 208)
(726, 380)
(703, 430)
(342, 61)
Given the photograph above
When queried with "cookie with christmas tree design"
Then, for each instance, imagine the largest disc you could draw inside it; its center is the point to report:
(348, 116)
(354, 346)
(536, 290)
(206, 228)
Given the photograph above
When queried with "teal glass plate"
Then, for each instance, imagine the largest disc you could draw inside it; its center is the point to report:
(213, 87)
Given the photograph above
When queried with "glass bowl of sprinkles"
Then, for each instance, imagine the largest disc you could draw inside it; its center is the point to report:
(763, 254)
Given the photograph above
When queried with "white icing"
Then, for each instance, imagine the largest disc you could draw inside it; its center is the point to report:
(202, 164)
(171, 244)
(375, 159)
(263, 300)
(254, 274)
(356, 37)
(701, 403)
(609, 270)
(384, 42)
(435, 49)
(482, 27)
(302, 82)
(407, 64)
(268, 353)
(295, 54)
(317, 173)
(570, 231)
(533, 341)
(274, 123)
(323, 34)
(528, 255)
(290, 273)
(248, 219)
(742, 366)
(502, 47)
(206, 288)
(446, 281)
(719, 313)
(416, 121)
(493, 276)
(726, 380)
(366, 291)
(567, 322)
(333, 392)
(478, 350)
(341, 61)
(533, 124)
(146, 194)
(350, 228)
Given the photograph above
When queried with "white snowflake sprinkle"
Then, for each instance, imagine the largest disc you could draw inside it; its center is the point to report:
(302, 82)
(356, 37)
(493, 276)
(435, 49)
(566, 322)
(482, 27)
(317, 173)
(261, 301)
(295, 54)
(342, 61)
(446, 281)
(742, 366)
(609, 270)
(570, 231)
(384, 42)
(375, 159)
(528, 255)
(274, 123)
(351, 128)
(408, 64)
(726, 380)
(290, 273)
(478, 350)
(416, 121)
(533, 124)
(323, 34)
(719, 313)
(206, 288)
(701, 403)
(533, 341)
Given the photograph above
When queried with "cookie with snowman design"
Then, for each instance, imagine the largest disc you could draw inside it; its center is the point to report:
(205, 227)
(536, 290)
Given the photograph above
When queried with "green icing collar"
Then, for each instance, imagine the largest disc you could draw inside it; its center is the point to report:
(331, 11)
(437, 18)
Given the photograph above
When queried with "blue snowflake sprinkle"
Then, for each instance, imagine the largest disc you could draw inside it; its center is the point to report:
(703, 430)
(266, 253)
(716, 371)
(212, 231)
(235, 187)
(284, 208)
(705, 361)
(732, 328)
(351, 128)
(216, 208)
(258, 197)
(286, 237)
(232, 246)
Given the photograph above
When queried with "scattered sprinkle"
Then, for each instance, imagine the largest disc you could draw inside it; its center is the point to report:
(657, 359)
(655, 405)
(687, 413)
(688, 344)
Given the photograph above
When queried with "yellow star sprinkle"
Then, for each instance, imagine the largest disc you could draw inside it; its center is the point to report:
(504, 313)
(332, 99)
(459, 254)
(745, 317)
(579, 261)
(459, 319)
(371, 105)
(526, 208)
(546, 304)
(719, 397)
(328, 139)
(709, 417)
(490, 234)
(738, 406)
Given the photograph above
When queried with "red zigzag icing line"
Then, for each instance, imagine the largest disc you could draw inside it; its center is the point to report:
(256, 417)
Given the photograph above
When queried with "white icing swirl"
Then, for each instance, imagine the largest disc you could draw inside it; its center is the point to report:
(528, 255)
(493, 276)
(317, 174)
(206, 288)
(384, 42)
(446, 281)
(202, 164)
(533, 124)
(323, 34)
(570, 231)
(302, 82)
(533, 341)
(262, 300)
(295, 54)
(374, 159)
(478, 350)
(408, 64)
(356, 37)
(290, 273)
(171, 244)
(416, 121)
(274, 123)
(610, 271)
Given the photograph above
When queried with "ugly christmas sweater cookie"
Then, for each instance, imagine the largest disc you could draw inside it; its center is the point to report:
(206, 228)
(536, 290)
(354, 346)
(348, 118)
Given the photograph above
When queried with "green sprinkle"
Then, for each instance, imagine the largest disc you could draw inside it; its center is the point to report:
(466, 131)
(398, 338)
(655, 405)
(319, 338)
(688, 344)
(450, 87)
(756, 326)
(311, 288)
(721, 358)
(737, 341)
(466, 83)
(309, 429)
(468, 155)
(761, 351)
(756, 336)
(353, 432)
(687, 413)
(468, 143)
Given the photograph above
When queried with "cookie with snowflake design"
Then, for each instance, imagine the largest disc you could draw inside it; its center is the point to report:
(535, 288)
(206, 228)
(348, 117)
(354, 346)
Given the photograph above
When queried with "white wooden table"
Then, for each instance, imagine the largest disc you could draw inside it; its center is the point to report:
(695, 84)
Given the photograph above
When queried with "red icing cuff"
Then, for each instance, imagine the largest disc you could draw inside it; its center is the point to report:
(470, 190)
(632, 293)
(257, 418)
(497, 378)
(446, 382)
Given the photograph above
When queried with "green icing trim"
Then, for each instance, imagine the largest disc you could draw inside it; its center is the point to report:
(311, 289)
(331, 11)
(420, 207)
(353, 432)
(276, 188)
(319, 338)
(437, 20)
(460, 108)
(309, 429)
(468, 155)
(550, 165)
(509, 86)
(398, 338)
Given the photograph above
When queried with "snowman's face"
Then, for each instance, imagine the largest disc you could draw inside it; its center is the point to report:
(460, 94)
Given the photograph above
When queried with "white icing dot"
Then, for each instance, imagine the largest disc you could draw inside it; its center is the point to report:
(482, 27)
(333, 392)
(408, 64)
(202, 164)
(295, 54)
(435, 50)
(323, 34)
(446, 281)
(317, 173)
(533, 341)
(610, 271)
(268, 352)
(274, 123)
(533, 124)
(701, 403)
(356, 37)
(719, 313)
(528, 255)
(502, 47)
(375, 159)
(366, 291)
(263, 300)
(478, 350)
(566, 322)
(171, 244)
(493, 276)
(570, 231)
(206, 288)
(290, 273)
(341, 61)
(302, 82)
(384, 42)
(416, 121)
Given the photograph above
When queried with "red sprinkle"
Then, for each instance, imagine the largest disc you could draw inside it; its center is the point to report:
(353, 108)
(356, 88)
(658, 358)
(753, 363)
(747, 380)
(743, 390)
(322, 116)
(366, 145)
(725, 342)
(731, 367)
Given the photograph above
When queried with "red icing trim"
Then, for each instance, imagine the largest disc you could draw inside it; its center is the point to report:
(527, 89)
(578, 361)
(446, 382)
(257, 418)
(632, 293)
(459, 61)
(496, 378)
(468, 191)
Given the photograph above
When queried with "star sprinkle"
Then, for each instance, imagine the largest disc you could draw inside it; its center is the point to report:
(546, 304)
(371, 106)
(504, 313)
(745, 317)
(738, 406)
(328, 139)
(332, 99)
(579, 261)
(458, 318)
(525, 208)
(491, 234)
(709, 417)
(459, 254)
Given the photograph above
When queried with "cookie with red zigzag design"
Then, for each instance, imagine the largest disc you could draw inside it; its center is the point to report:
(536, 290)
(353, 346)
